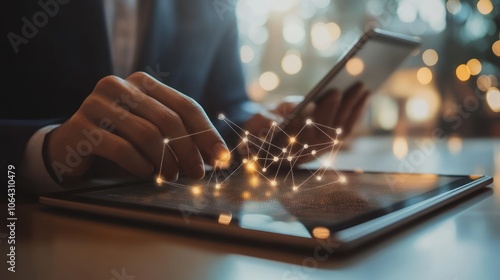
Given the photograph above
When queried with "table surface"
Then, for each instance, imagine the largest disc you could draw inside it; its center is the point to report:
(461, 241)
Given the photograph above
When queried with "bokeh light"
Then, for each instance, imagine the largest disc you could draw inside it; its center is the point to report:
(269, 80)
(291, 63)
(474, 66)
(463, 73)
(424, 75)
(355, 66)
(484, 6)
(430, 57)
(493, 99)
(496, 48)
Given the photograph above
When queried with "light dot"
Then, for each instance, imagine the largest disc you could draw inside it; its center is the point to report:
(318, 178)
(165, 141)
(217, 186)
(196, 190)
(274, 123)
(342, 179)
(483, 82)
(291, 63)
(246, 54)
(244, 160)
(284, 150)
(430, 57)
(424, 75)
(255, 158)
(275, 159)
(292, 139)
(245, 195)
(493, 99)
(273, 183)
(417, 109)
(484, 6)
(313, 152)
(159, 180)
(321, 232)
(335, 142)
(463, 73)
(295, 188)
(245, 140)
(269, 81)
(246, 132)
(496, 48)
(264, 169)
(474, 66)
(308, 121)
(221, 116)
(306, 146)
(355, 66)
(289, 158)
(338, 131)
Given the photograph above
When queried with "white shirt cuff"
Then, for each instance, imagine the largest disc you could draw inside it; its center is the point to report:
(33, 171)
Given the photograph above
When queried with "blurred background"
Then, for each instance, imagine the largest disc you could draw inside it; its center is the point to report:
(450, 83)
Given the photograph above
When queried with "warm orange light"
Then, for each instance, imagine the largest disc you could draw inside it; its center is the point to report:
(496, 48)
(424, 75)
(355, 66)
(474, 66)
(463, 73)
(484, 6)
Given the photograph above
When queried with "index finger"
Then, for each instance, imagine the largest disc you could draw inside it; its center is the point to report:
(191, 113)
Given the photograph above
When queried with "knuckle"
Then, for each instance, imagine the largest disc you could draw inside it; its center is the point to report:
(109, 82)
(172, 118)
(188, 104)
(138, 76)
(148, 133)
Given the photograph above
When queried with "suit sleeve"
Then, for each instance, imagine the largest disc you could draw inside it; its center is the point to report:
(225, 90)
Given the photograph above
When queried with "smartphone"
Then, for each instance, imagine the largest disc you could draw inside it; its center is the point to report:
(371, 60)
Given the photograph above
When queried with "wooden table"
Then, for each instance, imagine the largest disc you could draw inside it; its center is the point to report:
(461, 241)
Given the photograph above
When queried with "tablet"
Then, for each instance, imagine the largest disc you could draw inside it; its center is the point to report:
(371, 60)
(343, 214)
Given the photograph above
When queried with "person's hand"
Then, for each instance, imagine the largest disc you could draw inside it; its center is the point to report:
(126, 122)
(334, 109)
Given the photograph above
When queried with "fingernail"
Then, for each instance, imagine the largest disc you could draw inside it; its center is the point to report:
(221, 152)
(198, 171)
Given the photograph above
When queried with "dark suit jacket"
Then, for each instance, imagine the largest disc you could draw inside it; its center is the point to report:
(52, 72)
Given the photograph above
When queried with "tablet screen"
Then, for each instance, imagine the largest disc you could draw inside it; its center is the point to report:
(249, 202)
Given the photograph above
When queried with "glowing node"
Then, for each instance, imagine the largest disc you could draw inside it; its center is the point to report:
(313, 152)
(255, 158)
(245, 195)
(309, 121)
(335, 142)
(306, 146)
(274, 123)
(245, 140)
(295, 188)
(217, 186)
(221, 117)
(289, 158)
(264, 169)
(275, 159)
(318, 178)
(338, 130)
(343, 179)
(244, 160)
(273, 183)
(246, 132)
(292, 139)
(196, 190)
(165, 141)
(284, 150)
(159, 181)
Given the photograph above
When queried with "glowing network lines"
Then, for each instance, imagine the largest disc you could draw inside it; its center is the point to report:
(262, 157)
